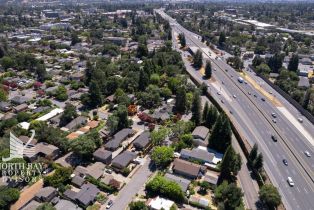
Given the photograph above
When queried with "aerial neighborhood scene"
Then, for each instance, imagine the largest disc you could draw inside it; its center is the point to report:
(156, 105)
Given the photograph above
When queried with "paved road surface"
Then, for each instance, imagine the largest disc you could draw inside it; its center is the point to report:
(252, 117)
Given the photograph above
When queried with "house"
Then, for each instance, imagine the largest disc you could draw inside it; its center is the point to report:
(186, 169)
(78, 181)
(104, 133)
(306, 61)
(76, 123)
(25, 139)
(20, 100)
(20, 108)
(142, 141)
(200, 132)
(111, 181)
(65, 204)
(103, 155)
(5, 106)
(96, 170)
(33, 205)
(40, 109)
(182, 182)
(86, 196)
(197, 154)
(46, 194)
(118, 138)
(211, 177)
(123, 160)
(159, 203)
(45, 150)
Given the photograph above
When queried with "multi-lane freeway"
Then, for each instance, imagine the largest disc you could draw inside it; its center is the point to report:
(252, 116)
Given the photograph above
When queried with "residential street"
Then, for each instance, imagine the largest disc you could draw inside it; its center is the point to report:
(127, 193)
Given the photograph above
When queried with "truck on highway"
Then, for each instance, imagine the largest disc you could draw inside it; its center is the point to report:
(240, 79)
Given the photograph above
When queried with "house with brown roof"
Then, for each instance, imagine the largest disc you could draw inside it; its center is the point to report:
(186, 169)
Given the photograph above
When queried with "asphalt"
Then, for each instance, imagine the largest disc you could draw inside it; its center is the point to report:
(252, 117)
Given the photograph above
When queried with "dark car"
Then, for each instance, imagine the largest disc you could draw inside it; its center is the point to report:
(274, 138)
(263, 99)
(285, 162)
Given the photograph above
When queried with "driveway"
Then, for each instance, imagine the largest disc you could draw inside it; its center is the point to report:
(129, 191)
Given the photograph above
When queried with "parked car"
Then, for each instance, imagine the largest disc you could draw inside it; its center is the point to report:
(109, 204)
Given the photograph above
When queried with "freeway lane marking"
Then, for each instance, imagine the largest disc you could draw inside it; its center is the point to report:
(305, 190)
(296, 124)
(298, 189)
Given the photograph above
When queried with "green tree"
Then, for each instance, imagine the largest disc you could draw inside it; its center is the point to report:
(23, 116)
(112, 123)
(269, 195)
(68, 115)
(83, 146)
(59, 179)
(163, 187)
(158, 136)
(61, 93)
(229, 196)
(138, 205)
(208, 70)
(181, 100)
(205, 111)
(222, 39)
(142, 51)
(263, 69)
(182, 40)
(162, 156)
(198, 59)
(275, 62)
(3, 94)
(196, 108)
(220, 138)
(8, 196)
(253, 154)
(122, 115)
(231, 164)
(74, 39)
(7, 62)
(255, 160)
(95, 95)
(143, 81)
(293, 63)
(258, 60)
(211, 116)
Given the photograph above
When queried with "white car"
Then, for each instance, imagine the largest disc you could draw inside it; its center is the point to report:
(307, 153)
(110, 203)
(274, 121)
(290, 181)
(234, 96)
(300, 120)
(218, 93)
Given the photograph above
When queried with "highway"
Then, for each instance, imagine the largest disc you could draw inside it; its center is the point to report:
(253, 119)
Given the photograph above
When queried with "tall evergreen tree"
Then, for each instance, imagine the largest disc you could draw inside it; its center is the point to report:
(220, 138)
(211, 116)
(181, 100)
(205, 111)
(208, 70)
(293, 63)
(198, 59)
(182, 40)
(196, 108)
(230, 165)
(143, 80)
(222, 39)
(95, 96)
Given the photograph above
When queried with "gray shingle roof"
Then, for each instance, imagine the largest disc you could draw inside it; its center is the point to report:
(200, 132)
(87, 194)
(102, 154)
(119, 137)
(184, 183)
(142, 140)
(197, 154)
(123, 159)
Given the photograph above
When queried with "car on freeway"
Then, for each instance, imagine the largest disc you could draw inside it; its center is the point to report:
(222, 101)
(245, 82)
(285, 162)
(255, 95)
(249, 93)
(307, 153)
(231, 75)
(218, 93)
(263, 99)
(274, 138)
(273, 115)
(290, 181)
(234, 96)
(231, 112)
(300, 120)
(274, 120)
(109, 204)
(223, 82)
(226, 70)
